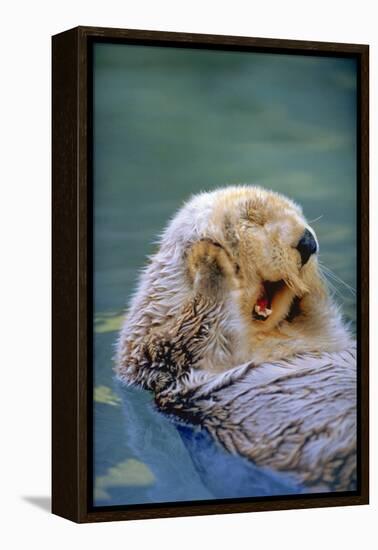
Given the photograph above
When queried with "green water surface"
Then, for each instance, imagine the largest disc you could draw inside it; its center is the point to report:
(172, 122)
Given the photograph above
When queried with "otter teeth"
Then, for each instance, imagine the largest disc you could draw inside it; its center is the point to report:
(264, 312)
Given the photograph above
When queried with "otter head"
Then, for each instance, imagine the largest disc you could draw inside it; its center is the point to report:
(274, 251)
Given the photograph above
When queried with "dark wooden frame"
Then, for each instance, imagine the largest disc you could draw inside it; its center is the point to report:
(71, 290)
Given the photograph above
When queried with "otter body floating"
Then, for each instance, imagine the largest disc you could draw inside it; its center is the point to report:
(236, 282)
(296, 417)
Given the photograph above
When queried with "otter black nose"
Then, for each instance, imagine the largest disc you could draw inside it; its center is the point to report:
(306, 246)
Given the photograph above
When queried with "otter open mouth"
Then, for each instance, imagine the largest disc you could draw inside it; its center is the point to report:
(264, 305)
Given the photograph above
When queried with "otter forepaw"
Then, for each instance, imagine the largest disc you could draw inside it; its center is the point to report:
(210, 268)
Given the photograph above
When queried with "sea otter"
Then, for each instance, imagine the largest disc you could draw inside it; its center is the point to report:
(233, 329)
(235, 280)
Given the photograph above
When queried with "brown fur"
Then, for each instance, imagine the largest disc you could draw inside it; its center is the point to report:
(248, 236)
(192, 316)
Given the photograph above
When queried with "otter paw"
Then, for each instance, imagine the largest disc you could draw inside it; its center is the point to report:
(210, 268)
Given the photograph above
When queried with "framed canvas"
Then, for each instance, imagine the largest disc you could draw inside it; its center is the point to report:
(210, 274)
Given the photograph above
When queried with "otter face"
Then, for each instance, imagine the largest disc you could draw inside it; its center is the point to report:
(274, 251)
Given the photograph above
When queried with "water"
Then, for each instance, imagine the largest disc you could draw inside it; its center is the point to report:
(169, 123)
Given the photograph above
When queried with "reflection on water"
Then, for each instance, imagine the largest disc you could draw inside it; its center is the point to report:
(169, 123)
(176, 463)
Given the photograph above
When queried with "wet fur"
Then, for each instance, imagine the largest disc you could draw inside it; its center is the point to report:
(297, 417)
(280, 392)
(212, 258)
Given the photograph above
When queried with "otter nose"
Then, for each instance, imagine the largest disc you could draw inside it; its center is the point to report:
(306, 246)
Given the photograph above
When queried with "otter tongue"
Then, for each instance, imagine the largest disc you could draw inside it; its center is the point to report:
(262, 305)
(262, 302)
